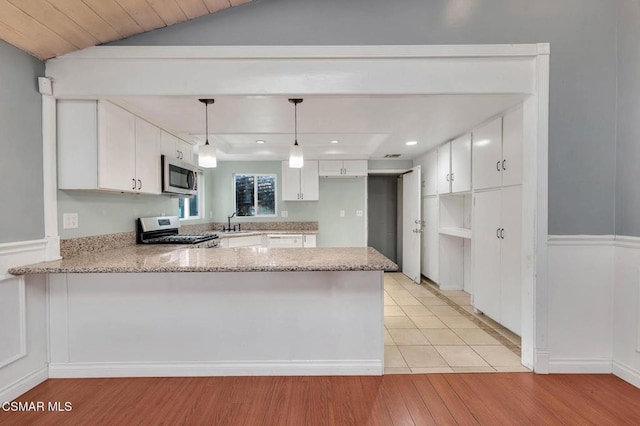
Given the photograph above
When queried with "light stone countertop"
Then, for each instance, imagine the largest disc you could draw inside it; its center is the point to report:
(170, 258)
(251, 233)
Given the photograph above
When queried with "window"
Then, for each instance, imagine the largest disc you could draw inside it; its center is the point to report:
(190, 208)
(254, 194)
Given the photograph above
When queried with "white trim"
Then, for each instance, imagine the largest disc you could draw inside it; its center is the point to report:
(581, 240)
(17, 388)
(50, 177)
(626, 373)
(295, 52)
(387, 171)
(627, 241)
(22, 300)
(580, 366)
(541, 362)
(19, 254)
(231, 368)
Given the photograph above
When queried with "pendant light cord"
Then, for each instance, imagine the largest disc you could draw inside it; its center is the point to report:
(206, 121)
(295, 115)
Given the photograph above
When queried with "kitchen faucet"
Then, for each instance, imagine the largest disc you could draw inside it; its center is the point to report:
(229, 221)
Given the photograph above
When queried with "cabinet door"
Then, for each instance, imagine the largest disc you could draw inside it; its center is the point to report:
(116, 148)
(487, 155)
(284, 241)
(461, 164)
(185, 151)
(169, 145)
(512, 135)
(430, 238)
(355, 168)
(485, 268)
(290, 183)
(430, 175)
(444, 168)
(330, 167)
(511, 238)
(309, 240)
(147, 157)
(309, 181)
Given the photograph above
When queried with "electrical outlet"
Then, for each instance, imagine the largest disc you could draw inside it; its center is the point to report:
(284, 213)
(359, 213)
(341, 213)
(69, 220)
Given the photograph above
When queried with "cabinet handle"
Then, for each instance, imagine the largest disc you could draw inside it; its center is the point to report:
(504, 164)
(498, 165)
(134, 184)
(447, 177)
(139, 184)
(502, 233)
(498, 233)
(298, 195)
(177, 154)
(302, 196)
(451, 177)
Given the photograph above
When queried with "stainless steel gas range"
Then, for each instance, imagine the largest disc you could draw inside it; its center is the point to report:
(166, 230)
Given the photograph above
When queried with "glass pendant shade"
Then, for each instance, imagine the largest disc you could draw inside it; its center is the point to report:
(207, 156)
(296, 160)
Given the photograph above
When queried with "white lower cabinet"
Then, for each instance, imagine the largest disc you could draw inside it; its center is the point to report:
(309, 240)
(291, 240)
(430, 238)
(496, 254)
(247, 241)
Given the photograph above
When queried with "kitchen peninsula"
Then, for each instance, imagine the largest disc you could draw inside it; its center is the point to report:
(175, 311)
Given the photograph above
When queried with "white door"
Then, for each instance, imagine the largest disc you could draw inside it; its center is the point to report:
(487, 155)
(411, 224)
(147, 157)
(290, 183)
(356, 168)
(511, 238)
(512, 134)
(485, 269)
(309, 181)
(430, 173)
(444, 168)
(331, 167)
(430, 238)
(116, 151)
(169, 145)
(461, 164)
(186, 151)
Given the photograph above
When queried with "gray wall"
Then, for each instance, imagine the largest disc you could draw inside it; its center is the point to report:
(628, 131)
(383, 214)
(21, 187)
(582, 34)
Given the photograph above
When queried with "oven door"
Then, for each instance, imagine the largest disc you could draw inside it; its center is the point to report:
(178, 177)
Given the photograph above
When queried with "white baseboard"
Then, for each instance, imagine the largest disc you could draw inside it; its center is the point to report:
(247, 368)
(17, 388)
(626, 373)
(580, 366)
(452, 287)
(541, 362)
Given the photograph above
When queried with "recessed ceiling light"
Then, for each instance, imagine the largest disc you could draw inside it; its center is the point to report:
(260, 141)
(411, 143)
(335, 141)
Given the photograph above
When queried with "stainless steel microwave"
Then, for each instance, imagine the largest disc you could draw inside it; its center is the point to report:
(178, 177)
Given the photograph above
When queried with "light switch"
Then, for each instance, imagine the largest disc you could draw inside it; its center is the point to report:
(359, 213)
(284, 213)
(69, 220)
(341, 213)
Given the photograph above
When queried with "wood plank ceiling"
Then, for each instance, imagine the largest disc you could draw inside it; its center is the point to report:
(49, 28)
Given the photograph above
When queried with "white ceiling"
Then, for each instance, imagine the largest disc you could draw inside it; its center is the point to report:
(366, 127)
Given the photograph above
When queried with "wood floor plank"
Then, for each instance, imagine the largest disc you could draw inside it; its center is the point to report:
(499, 398)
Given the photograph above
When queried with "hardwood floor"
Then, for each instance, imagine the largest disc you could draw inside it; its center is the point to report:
(500, 398)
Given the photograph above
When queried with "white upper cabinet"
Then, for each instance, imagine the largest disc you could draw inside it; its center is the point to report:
(300, 184)
(343, 168)
(147, 157)
(461, 164)
(444, 168)
(512, 134)
(497, 152)
(103, 147)
(429, 164)
(174, 147)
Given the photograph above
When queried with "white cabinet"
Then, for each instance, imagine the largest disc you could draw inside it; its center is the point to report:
(343, 168)
(249, 241)
(429, 165)
(309, 240)
(496, 251)
(497, 152)
(176, 148)
(284, 240)
(430, 238)
(103, 147)
(454, 166)
(300, 184)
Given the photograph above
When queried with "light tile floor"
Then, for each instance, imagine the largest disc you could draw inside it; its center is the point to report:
(433, 331)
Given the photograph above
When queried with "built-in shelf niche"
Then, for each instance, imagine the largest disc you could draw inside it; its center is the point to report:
(455, 241)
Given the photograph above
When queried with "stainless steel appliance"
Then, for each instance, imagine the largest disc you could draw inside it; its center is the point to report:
(166, 230)
(178, 177)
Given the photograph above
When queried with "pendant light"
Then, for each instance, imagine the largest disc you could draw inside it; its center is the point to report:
(296, 160)
(207, 153)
